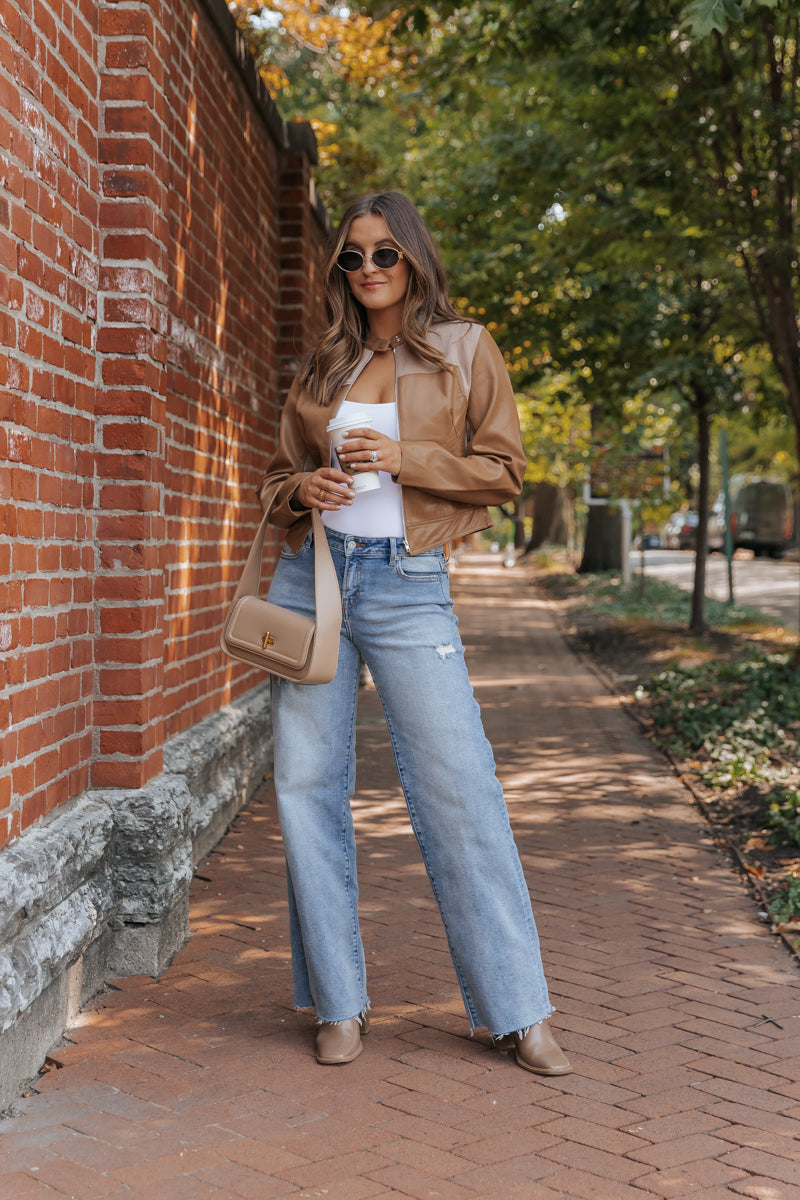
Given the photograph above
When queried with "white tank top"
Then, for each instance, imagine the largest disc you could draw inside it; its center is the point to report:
(379, 512)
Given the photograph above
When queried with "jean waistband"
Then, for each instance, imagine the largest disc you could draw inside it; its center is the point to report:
(366, 547)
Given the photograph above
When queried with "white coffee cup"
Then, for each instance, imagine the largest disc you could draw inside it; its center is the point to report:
(363, 481)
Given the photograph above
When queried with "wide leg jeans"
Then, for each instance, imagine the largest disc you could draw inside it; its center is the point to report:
(397, 614)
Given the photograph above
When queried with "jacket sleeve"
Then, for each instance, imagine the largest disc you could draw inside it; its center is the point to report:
(492, 468)
(288, 468)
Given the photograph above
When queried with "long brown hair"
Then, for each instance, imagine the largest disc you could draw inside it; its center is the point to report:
(427, 301)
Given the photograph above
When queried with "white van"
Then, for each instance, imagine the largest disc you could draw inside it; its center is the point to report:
(762, 516)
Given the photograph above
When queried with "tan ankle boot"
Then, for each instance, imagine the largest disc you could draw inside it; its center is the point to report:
(340, 1041)
(538, 1051)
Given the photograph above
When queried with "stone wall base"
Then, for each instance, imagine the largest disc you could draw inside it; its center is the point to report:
(101, 890)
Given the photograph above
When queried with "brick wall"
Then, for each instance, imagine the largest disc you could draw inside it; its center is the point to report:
(49, 265)
(158, 242)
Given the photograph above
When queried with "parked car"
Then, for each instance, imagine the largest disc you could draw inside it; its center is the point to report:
(716, 526)
(762, 516)
(670, 536)
(648, 541)
(680, 531)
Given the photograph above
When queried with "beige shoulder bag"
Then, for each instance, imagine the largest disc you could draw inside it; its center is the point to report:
(276, 639)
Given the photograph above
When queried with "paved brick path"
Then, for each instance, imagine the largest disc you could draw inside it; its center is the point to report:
(680, 1012)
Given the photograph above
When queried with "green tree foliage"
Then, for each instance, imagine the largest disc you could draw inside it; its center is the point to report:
(643, 225)
(343, 71)
(668, 133)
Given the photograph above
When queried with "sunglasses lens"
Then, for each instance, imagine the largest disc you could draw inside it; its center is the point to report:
(350, 260)
(385, 257)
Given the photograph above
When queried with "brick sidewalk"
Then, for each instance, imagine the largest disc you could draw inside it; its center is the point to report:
(680, 1012)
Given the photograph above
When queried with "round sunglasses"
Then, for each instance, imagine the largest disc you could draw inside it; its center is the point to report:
(384, 258)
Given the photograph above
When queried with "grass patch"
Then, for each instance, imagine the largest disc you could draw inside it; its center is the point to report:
(652, 599)
(739, 722)
(739, 713)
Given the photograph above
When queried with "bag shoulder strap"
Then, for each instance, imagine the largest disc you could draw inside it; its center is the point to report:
(327, 597)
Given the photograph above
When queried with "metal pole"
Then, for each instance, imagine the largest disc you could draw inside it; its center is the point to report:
(625, 533)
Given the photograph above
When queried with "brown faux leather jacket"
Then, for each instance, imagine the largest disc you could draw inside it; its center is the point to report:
(459, 439)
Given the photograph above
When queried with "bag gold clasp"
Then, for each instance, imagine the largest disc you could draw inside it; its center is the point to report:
(267, 640)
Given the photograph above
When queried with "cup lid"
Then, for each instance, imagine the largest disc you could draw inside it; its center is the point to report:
(350, 420)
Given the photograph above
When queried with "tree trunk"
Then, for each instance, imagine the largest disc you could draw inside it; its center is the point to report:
(562, 519)
(551, 516)
(795, 530)
(519, 522)
(697, 621)
(602, 549)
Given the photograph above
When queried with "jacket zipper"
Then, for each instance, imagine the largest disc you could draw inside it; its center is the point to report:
(397, 410)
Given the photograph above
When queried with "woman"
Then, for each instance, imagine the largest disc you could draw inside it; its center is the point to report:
(443, 439)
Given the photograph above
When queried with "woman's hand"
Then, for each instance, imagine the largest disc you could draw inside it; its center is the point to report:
(368, 450)
(326, 489)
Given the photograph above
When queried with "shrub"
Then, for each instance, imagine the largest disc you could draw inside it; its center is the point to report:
(786, 904)
(784, 814)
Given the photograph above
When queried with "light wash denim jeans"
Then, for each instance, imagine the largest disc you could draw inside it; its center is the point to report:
(397, 614)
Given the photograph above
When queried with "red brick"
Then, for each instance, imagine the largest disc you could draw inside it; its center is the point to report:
(759, 1187)
(664, 1129)
(739, 1093)
(417, 1184)
(594, 1161)
(133, 743)
(507, 1178)
(126, 773)
(782, 1123)
(687, 1149)
(583, 1184)
(784, 1168)
(161, 1168)
(116, 22)
(589, 1134)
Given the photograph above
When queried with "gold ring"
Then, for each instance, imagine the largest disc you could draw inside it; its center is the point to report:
(322, 493)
